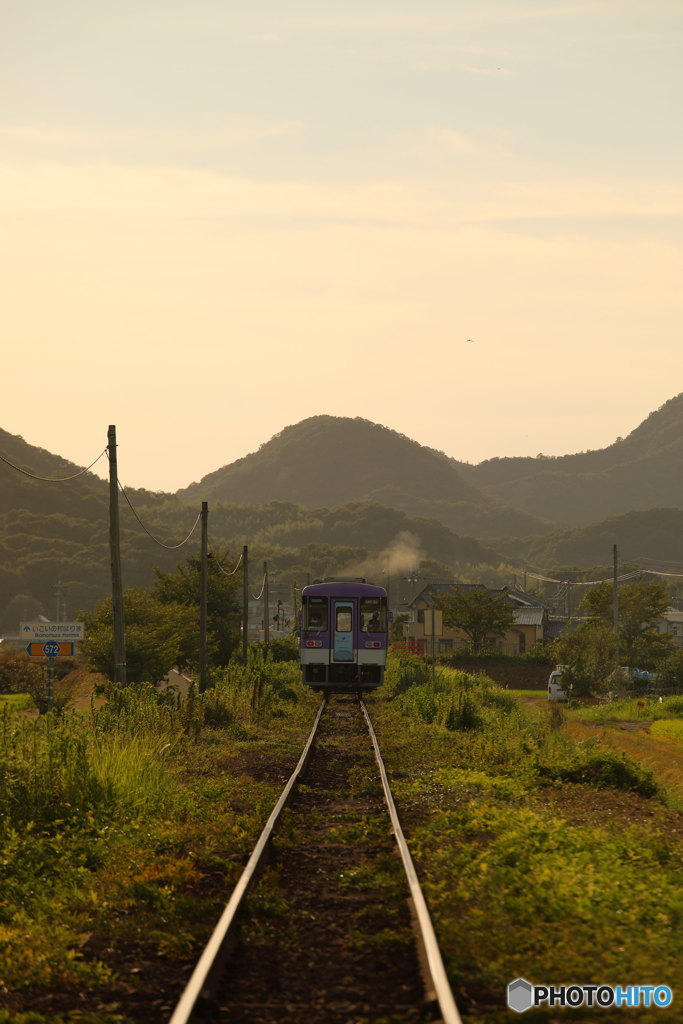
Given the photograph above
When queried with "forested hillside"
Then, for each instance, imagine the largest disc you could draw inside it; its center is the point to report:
(333, 494)
(648, 538)
(641, 471)
(327, 461)
(54, 538)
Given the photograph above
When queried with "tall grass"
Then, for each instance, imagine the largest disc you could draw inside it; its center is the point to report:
(114, 759)
(634, 709)
(491, 730)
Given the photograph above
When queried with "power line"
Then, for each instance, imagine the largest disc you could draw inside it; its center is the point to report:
(224, 571)
(257, 597)
(579, 583)
(53, 480)
(169, 547)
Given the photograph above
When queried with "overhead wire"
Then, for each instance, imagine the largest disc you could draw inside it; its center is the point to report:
(50, 479)
(581, 583)
(169, 547)
(257, 597)
(220, 567)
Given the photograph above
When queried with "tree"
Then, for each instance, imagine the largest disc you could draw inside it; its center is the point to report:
(477, 613)
(589, 651)
(157, 636)
(223, 606)
(641, 605)
(18, 674)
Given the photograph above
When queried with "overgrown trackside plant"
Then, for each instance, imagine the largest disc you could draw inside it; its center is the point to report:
(526, 845)
(108, 821)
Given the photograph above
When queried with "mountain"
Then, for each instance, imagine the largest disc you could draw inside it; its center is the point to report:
(54, 537)
(639, 472)
(327, 461)
(400, 541)
(651, 539)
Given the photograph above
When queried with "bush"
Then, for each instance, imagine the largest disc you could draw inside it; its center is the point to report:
(597, 766)
(18, 674)
(404, 671)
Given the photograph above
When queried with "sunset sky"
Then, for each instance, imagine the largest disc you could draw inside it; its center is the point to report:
(459, 218)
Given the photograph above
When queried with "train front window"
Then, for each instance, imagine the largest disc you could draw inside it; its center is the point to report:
(343, 623)
(315, 613)
(373, 615)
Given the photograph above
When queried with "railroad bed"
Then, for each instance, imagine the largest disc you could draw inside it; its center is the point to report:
(327, 937)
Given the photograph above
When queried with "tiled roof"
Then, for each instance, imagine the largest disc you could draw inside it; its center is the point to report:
(528, 616)
(515, 597)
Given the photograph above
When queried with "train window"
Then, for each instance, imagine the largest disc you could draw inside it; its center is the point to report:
(343, 623)
(315, 613)
(373, 615)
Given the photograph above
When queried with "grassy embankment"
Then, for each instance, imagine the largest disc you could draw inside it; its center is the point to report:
(121, 832)
(542, 856)
(124, 828)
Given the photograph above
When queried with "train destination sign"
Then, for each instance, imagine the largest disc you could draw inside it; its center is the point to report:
(49, 649)
(70, 631)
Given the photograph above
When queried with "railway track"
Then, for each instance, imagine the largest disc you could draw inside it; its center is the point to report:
(337, 930)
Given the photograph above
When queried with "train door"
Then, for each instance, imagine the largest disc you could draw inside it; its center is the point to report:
(343, 631)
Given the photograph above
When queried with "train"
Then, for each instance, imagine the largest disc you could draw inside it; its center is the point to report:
(343, 635)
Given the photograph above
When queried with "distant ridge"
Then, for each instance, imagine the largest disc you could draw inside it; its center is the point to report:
(653, 539)
(639, 472)
(327, 461)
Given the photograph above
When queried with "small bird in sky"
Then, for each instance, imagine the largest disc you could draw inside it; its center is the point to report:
(470, 341)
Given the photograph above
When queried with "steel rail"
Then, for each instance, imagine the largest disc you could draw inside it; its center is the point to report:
(211, 964)
(434, 962)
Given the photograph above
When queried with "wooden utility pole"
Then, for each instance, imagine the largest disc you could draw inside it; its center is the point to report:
(245, 602)
(203, 596)
(115, 557)
(615, 599)
(266, 613)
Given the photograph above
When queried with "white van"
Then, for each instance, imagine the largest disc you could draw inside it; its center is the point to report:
(556, 690)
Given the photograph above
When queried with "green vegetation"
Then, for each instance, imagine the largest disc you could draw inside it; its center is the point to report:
(477, 613)
(162, 623)
(668, 730)
(632, 709)
(535, 851)
(16, 701)
(591, 652)
(125, 827)
(641, 606)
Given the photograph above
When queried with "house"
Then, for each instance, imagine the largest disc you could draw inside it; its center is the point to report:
(671, 623)
(529, 629)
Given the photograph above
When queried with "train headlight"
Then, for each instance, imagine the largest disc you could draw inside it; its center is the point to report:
(314, 643)
(373, 643)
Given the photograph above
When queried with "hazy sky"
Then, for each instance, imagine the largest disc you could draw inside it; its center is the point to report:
(219, 217)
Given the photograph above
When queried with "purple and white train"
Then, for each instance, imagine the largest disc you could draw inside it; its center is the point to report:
(343, 644)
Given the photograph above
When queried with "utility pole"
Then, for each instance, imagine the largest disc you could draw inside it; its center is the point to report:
(245, 603)
(115, 556)
(61, 611)
(266, 624)
(203, 596)
(615, 599)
